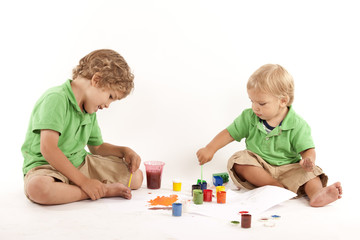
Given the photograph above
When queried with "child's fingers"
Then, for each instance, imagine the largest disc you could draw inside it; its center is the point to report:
(133, 162)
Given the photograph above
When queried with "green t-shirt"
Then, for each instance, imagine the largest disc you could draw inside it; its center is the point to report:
(279, 147)
(58, 110)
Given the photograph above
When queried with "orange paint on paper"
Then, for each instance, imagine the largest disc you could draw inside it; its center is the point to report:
(165, 201)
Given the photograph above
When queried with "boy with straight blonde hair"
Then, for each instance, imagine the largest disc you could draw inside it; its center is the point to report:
(279, 147)
(57, 169)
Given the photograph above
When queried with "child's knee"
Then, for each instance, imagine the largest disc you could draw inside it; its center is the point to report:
(38, 189)
(238, 168)
(137, 179)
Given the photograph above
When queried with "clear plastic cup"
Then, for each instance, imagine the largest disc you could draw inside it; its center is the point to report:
(153, 173)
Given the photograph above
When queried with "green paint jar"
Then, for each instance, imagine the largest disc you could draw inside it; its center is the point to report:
(198, 196)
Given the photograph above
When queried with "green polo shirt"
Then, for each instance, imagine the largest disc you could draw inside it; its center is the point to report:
(279, 147)
(58, 110)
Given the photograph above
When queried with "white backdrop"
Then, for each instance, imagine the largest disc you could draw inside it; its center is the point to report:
(191, 61)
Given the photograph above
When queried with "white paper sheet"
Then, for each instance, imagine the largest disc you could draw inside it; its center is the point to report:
(254, 201)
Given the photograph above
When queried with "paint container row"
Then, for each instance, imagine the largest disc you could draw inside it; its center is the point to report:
(200, 196)
(203, 186)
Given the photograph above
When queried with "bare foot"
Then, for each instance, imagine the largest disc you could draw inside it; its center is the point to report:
(327, 195)
(117, 190)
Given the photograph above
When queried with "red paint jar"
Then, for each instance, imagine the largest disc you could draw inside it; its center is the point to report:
(207, 195)
(246, 220)
(221, 197)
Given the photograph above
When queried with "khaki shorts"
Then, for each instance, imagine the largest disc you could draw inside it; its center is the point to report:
(292, 176)
(108, 169)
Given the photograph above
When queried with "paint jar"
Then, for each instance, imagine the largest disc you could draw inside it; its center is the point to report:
(153, 173)
(203, 184)
(220, 188)
(176, 185)
(224, 176)
(176, 209)
(217, 181)
(207, 195)
(221, 197)
(198, 197)
(193, 187)
(246, 220)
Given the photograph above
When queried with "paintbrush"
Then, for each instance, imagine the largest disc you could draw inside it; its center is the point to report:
(130, 180)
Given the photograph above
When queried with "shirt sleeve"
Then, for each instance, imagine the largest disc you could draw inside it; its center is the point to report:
(50, 113)
(239, 129)
(95, 138)
(302, 139)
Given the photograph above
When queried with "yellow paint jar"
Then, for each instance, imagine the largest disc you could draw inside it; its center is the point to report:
(176, 186)
(220, 188)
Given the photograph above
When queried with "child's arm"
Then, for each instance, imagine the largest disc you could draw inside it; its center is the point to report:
(308, 159)
(128, 154)
(206, 154)
(56, 158)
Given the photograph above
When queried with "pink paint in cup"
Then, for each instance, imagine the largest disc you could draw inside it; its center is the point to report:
(153, 173)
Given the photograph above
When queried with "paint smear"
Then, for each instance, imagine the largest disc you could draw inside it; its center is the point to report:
(160, 208)
(164, 201)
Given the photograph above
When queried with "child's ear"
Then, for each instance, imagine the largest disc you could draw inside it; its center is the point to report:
(284, 101)
(95, 79)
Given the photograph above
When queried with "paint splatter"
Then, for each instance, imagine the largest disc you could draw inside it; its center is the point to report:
(165, 201)
(160, 208)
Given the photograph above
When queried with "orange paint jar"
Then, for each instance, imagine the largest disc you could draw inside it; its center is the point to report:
(221, 197)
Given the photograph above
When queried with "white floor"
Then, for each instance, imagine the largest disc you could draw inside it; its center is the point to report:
(118, 218)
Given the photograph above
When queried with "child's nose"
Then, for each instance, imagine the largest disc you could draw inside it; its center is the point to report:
(107, 105)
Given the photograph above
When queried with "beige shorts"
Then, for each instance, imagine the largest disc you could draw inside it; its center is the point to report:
(108, 169)
(292, 176)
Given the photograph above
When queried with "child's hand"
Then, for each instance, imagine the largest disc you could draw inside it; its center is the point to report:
(307, 164)
(132, 159)
(93, 188)
(204, 155)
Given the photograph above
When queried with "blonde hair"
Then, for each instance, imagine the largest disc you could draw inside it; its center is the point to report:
(273, 79)
(111, 67)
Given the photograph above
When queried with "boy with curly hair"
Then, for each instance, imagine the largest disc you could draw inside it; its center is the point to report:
(279, 147)
(57, 169)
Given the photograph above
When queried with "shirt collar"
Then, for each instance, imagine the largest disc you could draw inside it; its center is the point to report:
(71, 96)
(289, 120)
(287, 123)
(85, 117)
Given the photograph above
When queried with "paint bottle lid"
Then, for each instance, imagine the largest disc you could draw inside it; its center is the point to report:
(243, 212)
(269, 224)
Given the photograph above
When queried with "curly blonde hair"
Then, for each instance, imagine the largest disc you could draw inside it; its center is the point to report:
(273, 79)
(112, 68)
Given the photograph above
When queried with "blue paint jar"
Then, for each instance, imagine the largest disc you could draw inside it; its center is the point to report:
(176, 209)
(217, 181)
(203, 184)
